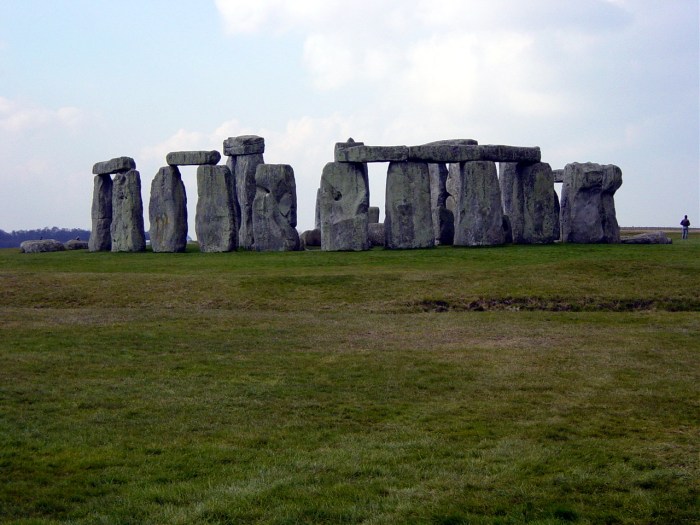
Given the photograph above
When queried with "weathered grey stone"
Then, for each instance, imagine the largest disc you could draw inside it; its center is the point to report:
(479, 216)
(499, 153)
(116, 165)
(192, 158)
(530, 202)
(376, 234)
(167, 211)
(443, 218)
(275, 209)
(587, 203)
(373, 214)
(453, 142)
(507, 230)
(441, 151)
(657, 237)
(451, 185)
(243, 168)
(372, 154)
(39, 246)
(76, 244)
(558, 175)
(408, 222)
(350, 143)
(101, 236)
(244, 145)
(310, 238)
(127, 230)
(317, 212)
(344, 202)
(216, 223)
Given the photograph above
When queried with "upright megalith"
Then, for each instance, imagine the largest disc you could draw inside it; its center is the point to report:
(127, 230)
(443, 218)
(373, 214)
(530, 202)
(587, 203)
(408, 222)
(101, 236)
(216, 224)
(167, 211)
(245, 154)
(479, 216)
(275, 209)
(344, 203)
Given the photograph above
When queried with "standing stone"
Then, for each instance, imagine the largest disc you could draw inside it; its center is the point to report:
(167, 211)
(275, 209)
(408, 222)
(216, 224)
(530, 202)
(588, 205)
(127, 230)
(373, 214)
(479, 216)
(443, 218)
(243, 169)
(101, 236)
(344, 202)
(317, 211)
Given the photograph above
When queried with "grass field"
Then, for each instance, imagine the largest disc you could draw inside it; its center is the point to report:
(542, 384)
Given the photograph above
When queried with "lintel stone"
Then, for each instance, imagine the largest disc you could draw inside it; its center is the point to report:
(372, 154)
(244, 145)
(193, 158)
(116, 165)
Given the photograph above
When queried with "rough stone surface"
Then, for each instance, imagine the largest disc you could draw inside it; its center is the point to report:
(216, 223)
(244, 145)
(451, 185)
(310, 238)
(76, 244)
(39, 246)
(167, 211)
(116, 165)
(344, 145)
(275, 209)
(376, 234)
(499, 153)
(588, 205)
(317, 212)
(372, 154)
(408, 222)
(443, 218)
(657, 237)
(507, 229)
(101, 236)
(127, 230)
(344, 203)
(373, 214)
(479, 216)
(558, 175)
(192, 158)
(243, 168)
(530, 202)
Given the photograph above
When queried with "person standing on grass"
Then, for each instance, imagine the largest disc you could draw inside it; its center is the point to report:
(685, 223)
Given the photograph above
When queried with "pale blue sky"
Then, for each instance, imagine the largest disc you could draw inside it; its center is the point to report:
(608, 81)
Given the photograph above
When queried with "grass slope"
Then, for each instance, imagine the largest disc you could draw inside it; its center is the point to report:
(544, 384)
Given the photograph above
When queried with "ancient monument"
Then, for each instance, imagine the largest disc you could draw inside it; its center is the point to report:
(275, 209)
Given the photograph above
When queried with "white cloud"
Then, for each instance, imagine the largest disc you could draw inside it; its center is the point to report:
(17, 117)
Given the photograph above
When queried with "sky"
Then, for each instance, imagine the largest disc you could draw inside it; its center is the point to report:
(605, 81)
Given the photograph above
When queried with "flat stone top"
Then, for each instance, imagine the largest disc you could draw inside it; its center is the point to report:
(244, 145)
(442, 151)
(192, 158)
(116, 165)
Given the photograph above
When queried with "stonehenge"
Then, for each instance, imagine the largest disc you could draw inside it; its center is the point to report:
(446, 192)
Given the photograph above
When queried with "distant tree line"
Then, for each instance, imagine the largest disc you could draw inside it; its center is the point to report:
(14, 238)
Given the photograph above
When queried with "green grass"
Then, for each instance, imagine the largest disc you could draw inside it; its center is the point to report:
(544, 384)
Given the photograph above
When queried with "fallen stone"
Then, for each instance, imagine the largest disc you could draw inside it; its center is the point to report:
(101, 235)
(127, 230)
(40, 246)
(216, 223)
(244, 145)
(408, 222)
(243, 168)
(76, 244)
(116, 165)
(310, 238)
(588, 205)
(167, 211)
(479, 215)
(192, 158)
(657, 237)
(373, 214)
(376, 234)
(344, 201)
(275, 209)
(372, 154)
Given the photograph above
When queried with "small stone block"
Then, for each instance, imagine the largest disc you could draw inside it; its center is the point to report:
(193, 158)
(244, 145)
(558, 175)
(372, 154)
(116, 165)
